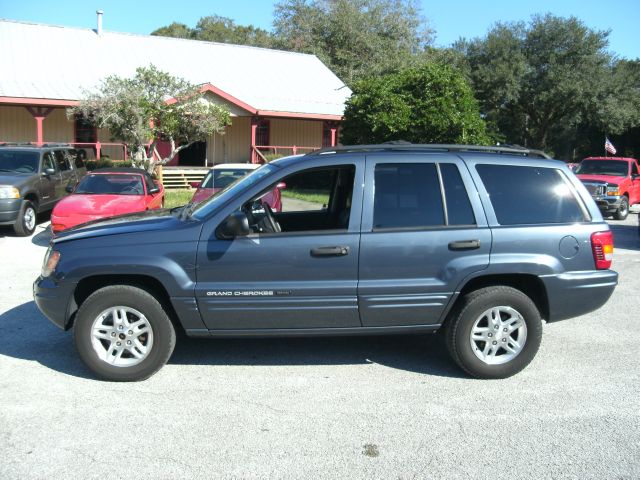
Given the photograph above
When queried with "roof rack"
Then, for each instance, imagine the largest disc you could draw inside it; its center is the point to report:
(34, 145)
(406, 146)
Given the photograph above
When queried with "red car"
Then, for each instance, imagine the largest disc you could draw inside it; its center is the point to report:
(223, 175)
(107, 192)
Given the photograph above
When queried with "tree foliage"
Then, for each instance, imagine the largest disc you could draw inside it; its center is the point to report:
(214, 28)
(432, 103)
(543, 82)
(150, 106)
(355, 38)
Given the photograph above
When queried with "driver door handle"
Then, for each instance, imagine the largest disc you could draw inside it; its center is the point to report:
(464, 245)
(329, 251)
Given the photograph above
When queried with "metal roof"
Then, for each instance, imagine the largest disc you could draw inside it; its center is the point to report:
(55, 62)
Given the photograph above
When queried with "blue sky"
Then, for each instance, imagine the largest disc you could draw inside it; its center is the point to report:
(451, 19)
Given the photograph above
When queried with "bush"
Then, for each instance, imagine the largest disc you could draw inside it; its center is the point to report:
(106, 163)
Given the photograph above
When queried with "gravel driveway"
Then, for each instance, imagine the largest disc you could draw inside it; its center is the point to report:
(380, 407)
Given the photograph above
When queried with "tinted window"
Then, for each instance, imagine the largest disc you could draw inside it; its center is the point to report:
(47, 161)
(73, 154)
(308, 190)
(530, 195)
(407, 195)
(616, 168)
(61, 161)
(459, 209)
(107, 184)
(223, 177)
(634, 169)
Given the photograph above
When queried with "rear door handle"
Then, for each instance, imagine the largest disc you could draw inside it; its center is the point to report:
(329, 251)
(464, 245)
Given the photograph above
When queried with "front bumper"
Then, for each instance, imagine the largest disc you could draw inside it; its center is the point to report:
(573, 294)
(55, 300)
(607, 204)
(9, 210)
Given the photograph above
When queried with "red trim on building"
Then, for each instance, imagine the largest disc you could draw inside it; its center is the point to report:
(39, 114)
(38, 101)
(308, 116)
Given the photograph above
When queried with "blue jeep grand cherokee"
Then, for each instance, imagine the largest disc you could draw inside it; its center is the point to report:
(479, 242)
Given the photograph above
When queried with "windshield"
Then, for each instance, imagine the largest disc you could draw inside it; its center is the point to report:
(206, 206)
(116, 184)
(223, 177)
(603, 167)
(18, 161)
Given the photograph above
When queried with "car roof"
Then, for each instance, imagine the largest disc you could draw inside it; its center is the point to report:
(610, 158)
(246, 166)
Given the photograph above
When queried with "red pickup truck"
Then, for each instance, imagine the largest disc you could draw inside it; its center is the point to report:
(613, 182)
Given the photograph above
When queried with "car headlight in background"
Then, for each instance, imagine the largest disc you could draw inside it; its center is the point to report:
(51, 259)
(612, 190)
(9, 192)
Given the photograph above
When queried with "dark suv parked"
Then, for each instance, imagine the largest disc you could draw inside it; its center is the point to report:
(33, 179)
(479, 242)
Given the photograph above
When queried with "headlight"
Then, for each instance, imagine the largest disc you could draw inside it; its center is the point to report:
(9, 192)
(51, 259)
(612, 190)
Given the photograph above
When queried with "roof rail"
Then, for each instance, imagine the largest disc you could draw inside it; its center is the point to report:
(34, 145)
(406, 146)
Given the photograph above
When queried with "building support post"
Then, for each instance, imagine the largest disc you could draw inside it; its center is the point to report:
(254, 130)
(39, 114)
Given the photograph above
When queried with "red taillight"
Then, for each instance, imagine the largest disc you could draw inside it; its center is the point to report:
(602, 246)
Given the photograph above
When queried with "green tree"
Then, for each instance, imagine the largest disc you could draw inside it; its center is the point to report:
(177, 30)
(547, 83)
(152, 105)
(432, 103)
(214, 28)
(355, 38)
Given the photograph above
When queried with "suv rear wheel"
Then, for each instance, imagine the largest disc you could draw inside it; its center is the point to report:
(27, 218)
(495, 332)
(122, 333)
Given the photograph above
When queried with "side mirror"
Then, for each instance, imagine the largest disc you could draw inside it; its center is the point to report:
(281, 186)
(194, 184)
(68, 189)
(48, 172)
(235, 225)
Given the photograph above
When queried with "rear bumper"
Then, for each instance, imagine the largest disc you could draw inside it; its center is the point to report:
(54, 300)
(9, 210)
(577, 293)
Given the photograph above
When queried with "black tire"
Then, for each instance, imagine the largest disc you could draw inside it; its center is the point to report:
(163, 333)
(471, 308)
(26, 222)
(623, 210)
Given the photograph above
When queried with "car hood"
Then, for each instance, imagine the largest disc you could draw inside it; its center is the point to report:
(14, 179)
(600, 178)
(146, 221)
(102, 205)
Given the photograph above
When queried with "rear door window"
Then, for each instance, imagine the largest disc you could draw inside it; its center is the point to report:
(523, 195)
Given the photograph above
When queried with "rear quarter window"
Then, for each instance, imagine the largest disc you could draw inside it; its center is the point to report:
(523, 195)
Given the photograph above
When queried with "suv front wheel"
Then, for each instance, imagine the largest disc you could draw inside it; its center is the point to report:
(122, 333)
(495, 332)
(27, 218)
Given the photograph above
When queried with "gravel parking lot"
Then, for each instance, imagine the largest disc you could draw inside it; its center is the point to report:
(381, 407)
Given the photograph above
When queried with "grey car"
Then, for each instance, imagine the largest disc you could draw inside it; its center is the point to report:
(33, 179)
(480, 243)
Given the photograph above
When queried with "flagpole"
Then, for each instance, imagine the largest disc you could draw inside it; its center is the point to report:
(605, 145)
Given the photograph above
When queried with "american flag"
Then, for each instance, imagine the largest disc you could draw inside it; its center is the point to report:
(608, 146)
